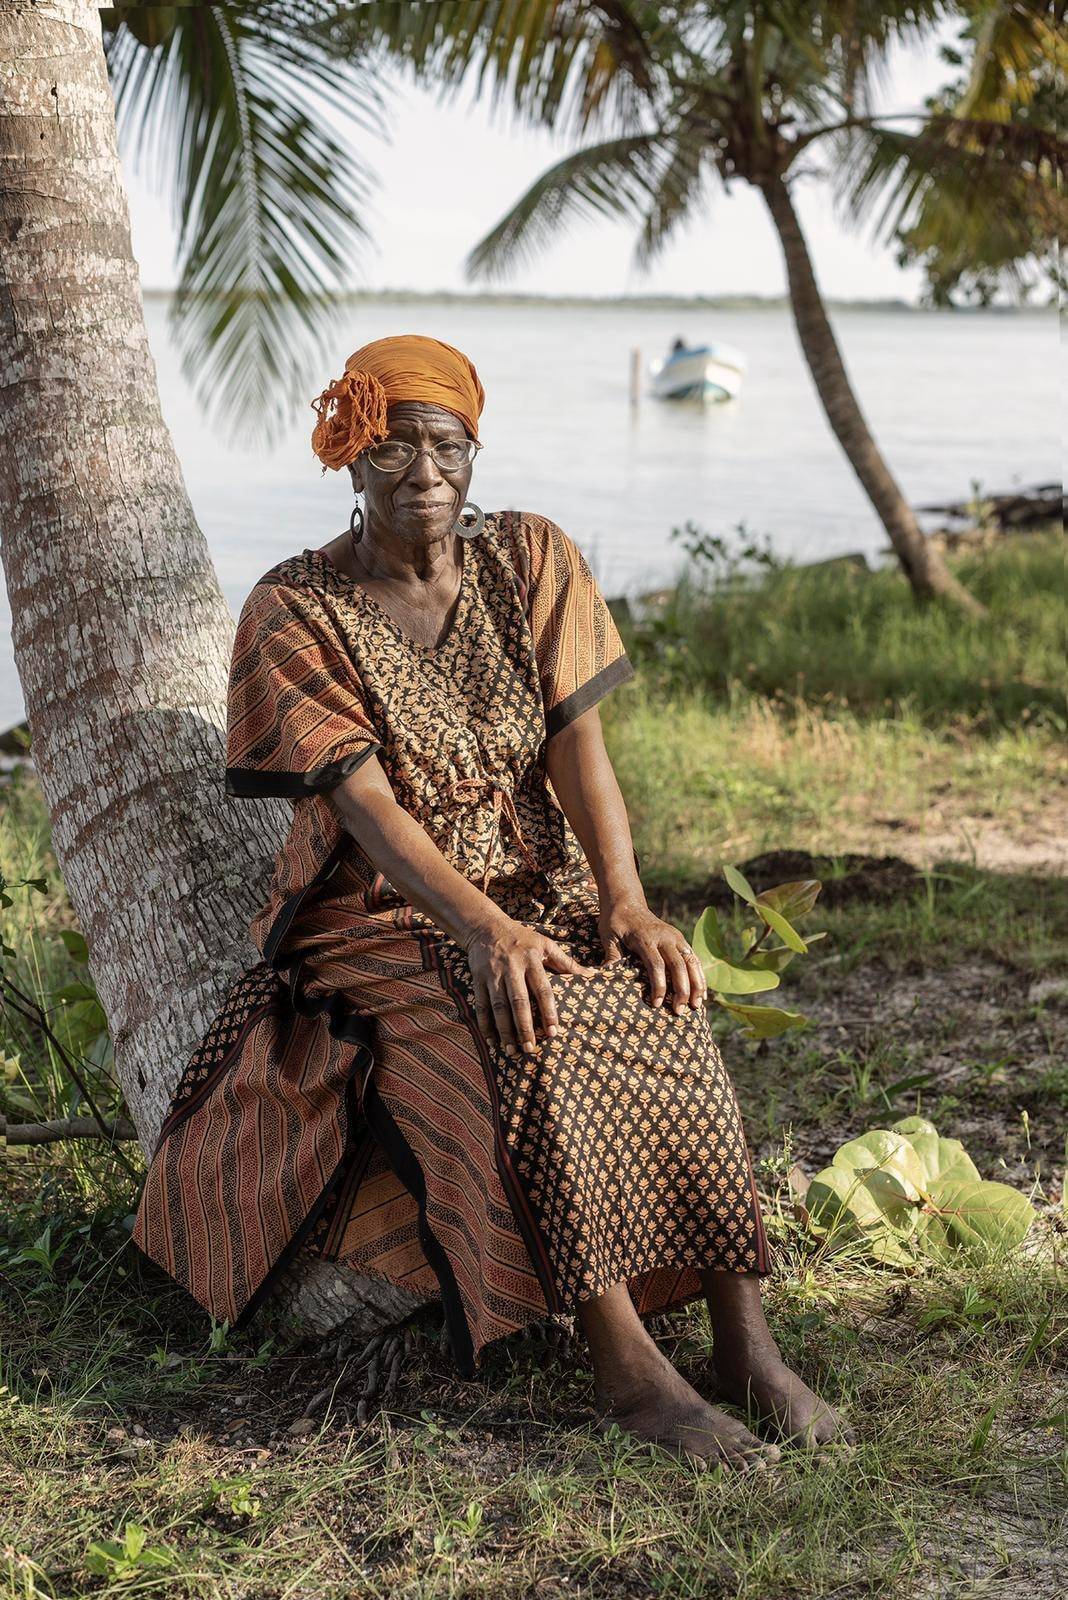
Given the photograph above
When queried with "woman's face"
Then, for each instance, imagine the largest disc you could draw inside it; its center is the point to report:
(420, 503)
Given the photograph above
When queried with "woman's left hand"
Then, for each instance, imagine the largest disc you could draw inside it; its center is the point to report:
(666, 954)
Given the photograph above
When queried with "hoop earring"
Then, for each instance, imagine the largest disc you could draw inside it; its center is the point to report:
(470, 530)
(356, 534)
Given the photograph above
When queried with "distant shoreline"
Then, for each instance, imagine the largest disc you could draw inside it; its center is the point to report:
(648, 302)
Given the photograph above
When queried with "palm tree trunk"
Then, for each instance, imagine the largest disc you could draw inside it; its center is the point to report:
(924, 567)
(121, 634)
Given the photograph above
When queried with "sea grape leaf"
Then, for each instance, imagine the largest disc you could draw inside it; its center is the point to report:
(728, 979)
(786, 932)
(794, 899)
(776, 959)
(722, 972)
(983, 1217)
(762, 1022)
(888, 1152)
(905, 1189)
(708, 938)
(911, 1125)
(740, 884)
(743, 888)
(843, 1204)
(940, 1158)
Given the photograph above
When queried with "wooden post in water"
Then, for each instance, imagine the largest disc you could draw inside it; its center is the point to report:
(635, 375)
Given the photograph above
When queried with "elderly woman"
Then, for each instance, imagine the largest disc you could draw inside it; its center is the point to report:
(471, 1059)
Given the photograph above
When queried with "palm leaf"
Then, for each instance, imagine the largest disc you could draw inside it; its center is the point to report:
(560, 63)
(1017, 45)
(677, 195)
(620, 177)
(266, 200)
(967, 163)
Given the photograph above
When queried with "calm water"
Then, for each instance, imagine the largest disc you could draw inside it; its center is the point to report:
(950, 397)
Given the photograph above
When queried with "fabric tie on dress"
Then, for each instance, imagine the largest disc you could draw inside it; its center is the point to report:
(475, 788)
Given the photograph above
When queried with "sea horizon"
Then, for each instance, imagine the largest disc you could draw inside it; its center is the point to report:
(649, 302)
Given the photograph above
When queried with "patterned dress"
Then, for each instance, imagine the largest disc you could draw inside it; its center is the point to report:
(343, 1098)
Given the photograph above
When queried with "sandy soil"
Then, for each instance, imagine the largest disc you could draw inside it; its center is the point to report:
(1036, 843)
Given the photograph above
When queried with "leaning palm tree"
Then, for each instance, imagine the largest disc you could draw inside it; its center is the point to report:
(121, 634)
(694, 95)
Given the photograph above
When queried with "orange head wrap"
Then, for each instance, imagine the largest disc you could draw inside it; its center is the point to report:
(352, 411)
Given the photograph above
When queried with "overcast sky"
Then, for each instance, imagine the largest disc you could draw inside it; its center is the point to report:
(422, 231)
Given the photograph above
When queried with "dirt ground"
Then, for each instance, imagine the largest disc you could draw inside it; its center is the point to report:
(979, 1044)
(1036, 842)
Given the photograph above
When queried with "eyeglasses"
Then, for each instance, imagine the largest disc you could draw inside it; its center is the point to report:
(448, 455)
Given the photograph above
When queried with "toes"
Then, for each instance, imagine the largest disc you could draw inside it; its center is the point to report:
(746, 1461)
(837, 1435)
(826, 1430)
(749, 1454)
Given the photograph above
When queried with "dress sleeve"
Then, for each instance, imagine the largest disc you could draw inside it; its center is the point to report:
(578, 646)
(296, 720)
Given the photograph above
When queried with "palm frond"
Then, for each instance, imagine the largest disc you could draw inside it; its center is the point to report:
(559, 63)
(620, 177)
(1018, 44)
(677, 196)
(266, 199)
(839, 49)
(1025, 223)
(968, 164)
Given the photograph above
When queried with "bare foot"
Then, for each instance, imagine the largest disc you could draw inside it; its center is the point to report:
(662, 1409)
(783, 1402)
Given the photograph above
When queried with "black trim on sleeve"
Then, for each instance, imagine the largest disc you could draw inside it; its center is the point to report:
(594, 689)
(249, 783)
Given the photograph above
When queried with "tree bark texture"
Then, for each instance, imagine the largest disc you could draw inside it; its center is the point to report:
(121, 634)
(924, 567)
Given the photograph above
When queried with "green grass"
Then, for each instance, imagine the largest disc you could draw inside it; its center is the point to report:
(121, 1405)
(121, 1409)
(836, 636)
(707, 781)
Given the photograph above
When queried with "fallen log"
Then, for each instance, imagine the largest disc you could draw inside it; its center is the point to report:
(65, 1128)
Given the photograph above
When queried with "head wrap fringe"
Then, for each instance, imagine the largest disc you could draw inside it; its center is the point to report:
(352, 415)
(410, 366)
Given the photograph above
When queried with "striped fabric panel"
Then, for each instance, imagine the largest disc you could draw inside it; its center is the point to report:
(297, 719)
(431, 1075)
(246, 1160)
(580, 653)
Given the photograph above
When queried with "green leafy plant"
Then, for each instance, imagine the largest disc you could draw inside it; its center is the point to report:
(43, 1252)
(108, 1558)
(38, 885)
(233, 1495)
(906, 1194)
(67, 1071)
(721, 564)
(756, 969)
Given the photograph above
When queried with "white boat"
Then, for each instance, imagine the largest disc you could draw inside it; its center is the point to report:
(700, 372)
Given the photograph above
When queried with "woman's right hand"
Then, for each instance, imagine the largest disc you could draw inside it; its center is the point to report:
(508, 962)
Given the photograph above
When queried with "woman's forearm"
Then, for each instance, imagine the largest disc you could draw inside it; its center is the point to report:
(409, 859)
(584, 782)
